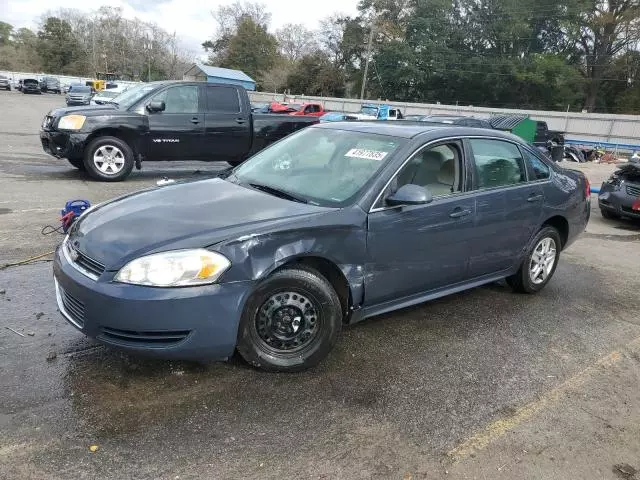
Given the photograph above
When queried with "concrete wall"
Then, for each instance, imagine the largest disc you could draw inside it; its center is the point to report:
(595, 127)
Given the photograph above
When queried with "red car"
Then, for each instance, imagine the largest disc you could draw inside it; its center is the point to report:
(310, 110)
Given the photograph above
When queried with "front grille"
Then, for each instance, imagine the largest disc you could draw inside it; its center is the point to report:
(632, 190)
(90, 265)
(73, 307)
(153, 338)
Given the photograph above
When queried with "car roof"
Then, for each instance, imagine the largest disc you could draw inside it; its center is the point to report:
(413, 129)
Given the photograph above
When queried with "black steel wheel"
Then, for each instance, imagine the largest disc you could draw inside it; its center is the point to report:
(290, 322)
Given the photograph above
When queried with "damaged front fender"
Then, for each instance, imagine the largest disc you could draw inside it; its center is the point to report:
(342, 243)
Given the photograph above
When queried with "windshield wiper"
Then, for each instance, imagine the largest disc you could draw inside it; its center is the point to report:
(278, 193)
(111, 102)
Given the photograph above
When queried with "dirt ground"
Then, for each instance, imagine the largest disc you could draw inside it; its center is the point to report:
(484, 384)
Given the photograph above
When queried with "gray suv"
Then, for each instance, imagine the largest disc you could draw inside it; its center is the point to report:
(50, 84)
(79, 95)
(4, 83)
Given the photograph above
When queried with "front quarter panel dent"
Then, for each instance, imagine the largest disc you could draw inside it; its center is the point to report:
(254, 257)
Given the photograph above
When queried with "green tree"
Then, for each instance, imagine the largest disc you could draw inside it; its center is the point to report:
(6, 30)
(57, 46)
(315, 74)
(251, 49)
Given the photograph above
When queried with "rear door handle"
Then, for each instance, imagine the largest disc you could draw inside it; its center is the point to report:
(240, 120)
(458, 213)
(534, 197)
(195, 120)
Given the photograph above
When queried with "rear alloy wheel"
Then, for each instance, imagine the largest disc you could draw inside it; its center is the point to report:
(291, 321)
(108, 159)
(539, 264)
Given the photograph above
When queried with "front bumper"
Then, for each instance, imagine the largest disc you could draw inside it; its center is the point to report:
(63, 144)
(617, 201)
(193, 323)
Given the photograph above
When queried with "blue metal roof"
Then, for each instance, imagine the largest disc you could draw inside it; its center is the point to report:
(225, 73)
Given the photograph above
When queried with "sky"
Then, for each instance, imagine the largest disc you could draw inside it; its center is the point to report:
(190, 19)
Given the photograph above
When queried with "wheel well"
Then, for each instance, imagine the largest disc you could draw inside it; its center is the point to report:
(561, 225)
(334, 276)
(113, 132)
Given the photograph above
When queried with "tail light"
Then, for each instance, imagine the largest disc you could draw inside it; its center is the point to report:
(587, 188)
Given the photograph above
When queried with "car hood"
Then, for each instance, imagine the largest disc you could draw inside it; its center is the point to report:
(86, 110)
(184, 215)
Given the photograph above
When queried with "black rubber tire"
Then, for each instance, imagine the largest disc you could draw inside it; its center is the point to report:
(77, 163)
(521, 282)
(308, 282)
(608, 215)
(94, 172)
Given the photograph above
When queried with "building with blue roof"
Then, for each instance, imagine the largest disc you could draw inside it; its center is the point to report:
(207, 73)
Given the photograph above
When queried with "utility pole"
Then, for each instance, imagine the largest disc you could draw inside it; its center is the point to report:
(366, 65)
(93, 46)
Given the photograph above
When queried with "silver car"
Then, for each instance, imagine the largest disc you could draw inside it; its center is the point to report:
(4, 83)
(79, 95)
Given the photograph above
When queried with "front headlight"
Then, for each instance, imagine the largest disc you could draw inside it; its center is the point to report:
(178, 268)
(71, 122)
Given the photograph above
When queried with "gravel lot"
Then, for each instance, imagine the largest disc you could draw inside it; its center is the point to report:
(483, 384)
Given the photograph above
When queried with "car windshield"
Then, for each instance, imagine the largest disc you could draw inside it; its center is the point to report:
(371, 111)
(318, 165)
(81, 89)
(133, 94)
(30, 81)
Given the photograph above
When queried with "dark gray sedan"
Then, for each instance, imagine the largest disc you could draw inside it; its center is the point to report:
(332, 225)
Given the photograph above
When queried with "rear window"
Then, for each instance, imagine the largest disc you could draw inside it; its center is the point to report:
(223, 99)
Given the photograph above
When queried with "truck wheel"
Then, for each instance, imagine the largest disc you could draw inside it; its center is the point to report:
(291, 321)
(108, 159)
(78, 163)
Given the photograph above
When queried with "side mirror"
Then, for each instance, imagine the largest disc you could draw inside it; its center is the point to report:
(156, 106)
(410, 195)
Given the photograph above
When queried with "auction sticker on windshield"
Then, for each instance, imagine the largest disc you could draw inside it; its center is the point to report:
(368, 154)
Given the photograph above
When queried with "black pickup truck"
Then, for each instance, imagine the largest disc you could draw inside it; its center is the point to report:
(172, 120)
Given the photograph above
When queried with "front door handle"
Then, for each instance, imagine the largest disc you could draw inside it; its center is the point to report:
(534, 197)
(195, 120)
(240, 121)
(458, 213)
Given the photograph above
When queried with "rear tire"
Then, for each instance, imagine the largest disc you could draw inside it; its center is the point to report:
(291, 321)
(539, 264)
(108, 159)
(608, 215)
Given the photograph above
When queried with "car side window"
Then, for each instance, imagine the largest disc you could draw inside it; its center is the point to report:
(538, 169)
(222, 99)
(438, 169)
(497, 163)
(179, 99)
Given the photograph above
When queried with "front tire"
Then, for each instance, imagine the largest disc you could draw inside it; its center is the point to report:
(539, 264)
(291, 321)
(108, 159)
